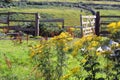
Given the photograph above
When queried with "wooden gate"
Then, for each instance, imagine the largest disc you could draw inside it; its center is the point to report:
(87, 25)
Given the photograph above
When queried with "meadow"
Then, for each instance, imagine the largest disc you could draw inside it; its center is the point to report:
(85, 1)
(18, 56)
(62, 57)
(70, 15)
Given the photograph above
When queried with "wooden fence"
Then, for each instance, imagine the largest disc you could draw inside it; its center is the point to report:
(7, 20)
(90, 24)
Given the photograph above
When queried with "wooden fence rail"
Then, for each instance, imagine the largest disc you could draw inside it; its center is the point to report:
(36, 20)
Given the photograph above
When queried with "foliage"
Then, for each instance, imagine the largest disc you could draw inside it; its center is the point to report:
(8, 1)
(114, 29)
(18, 57)
(85, 52)
(50, 56)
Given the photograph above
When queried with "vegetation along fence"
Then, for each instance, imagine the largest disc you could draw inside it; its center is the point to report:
(105, 20)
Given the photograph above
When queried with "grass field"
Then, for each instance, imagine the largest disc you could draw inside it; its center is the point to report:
(22, 64)
(19, 56)
(85, 1)
(71, 15)
(109, 12)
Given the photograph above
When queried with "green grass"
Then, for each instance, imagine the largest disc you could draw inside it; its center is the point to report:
(85, 1)
(71, 15)
(76, 1)
(22, 63)
(109, 12)
(19, 56)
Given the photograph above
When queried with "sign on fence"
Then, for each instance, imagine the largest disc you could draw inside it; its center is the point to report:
(87, 25)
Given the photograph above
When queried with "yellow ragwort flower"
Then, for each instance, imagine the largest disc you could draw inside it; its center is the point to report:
(112, 25)
(98, 53)
(83, 61)
(74, 53)
(74, 70)
(66, 76)
(65, 49)
(94, 43)
(72, 29)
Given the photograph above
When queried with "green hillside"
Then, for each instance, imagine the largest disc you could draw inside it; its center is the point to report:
(70, 14)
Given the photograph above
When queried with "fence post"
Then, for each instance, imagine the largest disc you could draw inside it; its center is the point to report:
(81, 25)
(97, 24)
(63, 24)
(37, 17)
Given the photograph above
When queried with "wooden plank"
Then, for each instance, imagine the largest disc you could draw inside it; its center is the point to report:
(106, 22)
(88, 22)
(23, 29)
(17, 28)
(52, 20)
(21, 13)
(4, 13)
(88, 28)
(111, 16)
(88, 16)
(37, 17)
(104, 32)
(7, 26)
(21, 20)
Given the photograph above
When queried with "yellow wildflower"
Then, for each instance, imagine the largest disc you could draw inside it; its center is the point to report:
(31, 48)
(119, 46)
(112, 25)
(94, 43)
(66, 76)
(74, 70)
(89, 38)
(78, 29)
(72, 29)
(106, 52)
(74, 53)
(70, 38)
(37, 46)
(78, 44)
(98, 53)
(83, 60)
(66, 48)
(60, 26)
(32, 54)
(118, 24)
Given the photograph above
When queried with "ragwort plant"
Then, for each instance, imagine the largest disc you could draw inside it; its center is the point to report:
(90, 52)
(86, 47)
(50, 56)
